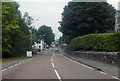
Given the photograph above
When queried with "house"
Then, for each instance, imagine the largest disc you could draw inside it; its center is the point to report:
(117, 21)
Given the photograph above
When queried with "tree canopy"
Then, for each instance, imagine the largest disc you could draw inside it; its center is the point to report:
(46, 33)
(15, 30)
(81, 18)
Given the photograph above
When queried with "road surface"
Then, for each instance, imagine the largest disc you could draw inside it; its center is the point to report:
(53, 66)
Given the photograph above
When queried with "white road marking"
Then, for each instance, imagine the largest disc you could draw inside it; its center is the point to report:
(20, 62)
(51, 60)
(89, 67)
(86, 66)
(102, 72)
(78, 63)
(58, 76)
(15, 65)
(11, 66)
(115, 77)
(4, 70)
(53, 65)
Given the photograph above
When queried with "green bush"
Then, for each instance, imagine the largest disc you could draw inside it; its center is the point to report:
(97, 42)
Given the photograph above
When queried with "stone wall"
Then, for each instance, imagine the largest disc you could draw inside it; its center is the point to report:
(106, 57)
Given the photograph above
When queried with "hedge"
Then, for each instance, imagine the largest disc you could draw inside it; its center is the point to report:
(97, 42)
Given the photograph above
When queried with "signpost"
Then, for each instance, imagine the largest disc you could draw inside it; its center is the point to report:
(31, 36)
(29, 53)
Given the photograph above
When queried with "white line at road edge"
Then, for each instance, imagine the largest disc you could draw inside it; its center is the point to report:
(115, 77)
(89, 67)
(103, 72)
(79, 63)
(15, 65)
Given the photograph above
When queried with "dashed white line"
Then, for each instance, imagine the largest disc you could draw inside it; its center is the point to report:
(14, 65)
(58, 76)
(20, 62)
(115, 77)
(53, 65)
(11, 66)
(4, 70)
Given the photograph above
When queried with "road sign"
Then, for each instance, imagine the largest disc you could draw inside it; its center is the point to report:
(29, 53)
(31, 34)
(30, 38)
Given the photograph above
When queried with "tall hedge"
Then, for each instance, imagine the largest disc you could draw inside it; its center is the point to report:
(97, 42)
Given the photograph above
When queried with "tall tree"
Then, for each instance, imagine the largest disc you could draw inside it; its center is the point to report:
(81, 18)
(15, 30)
(9, 24)
(46, 33)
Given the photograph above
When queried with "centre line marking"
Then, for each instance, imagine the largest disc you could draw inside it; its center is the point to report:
(51, 60)
(53, 65)
(58, 76)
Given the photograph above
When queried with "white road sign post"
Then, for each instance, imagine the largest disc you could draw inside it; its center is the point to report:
(29, 53)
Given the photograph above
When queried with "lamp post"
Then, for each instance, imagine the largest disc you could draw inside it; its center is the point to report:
(34, 28)
(42, 41)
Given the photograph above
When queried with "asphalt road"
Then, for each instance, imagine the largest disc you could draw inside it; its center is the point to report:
(53, 66)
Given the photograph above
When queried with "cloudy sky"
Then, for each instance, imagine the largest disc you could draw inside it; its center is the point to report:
(48, 12)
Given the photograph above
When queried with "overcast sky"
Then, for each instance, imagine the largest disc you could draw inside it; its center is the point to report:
(48, 12)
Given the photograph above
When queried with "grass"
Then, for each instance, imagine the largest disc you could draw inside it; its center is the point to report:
(16, 58)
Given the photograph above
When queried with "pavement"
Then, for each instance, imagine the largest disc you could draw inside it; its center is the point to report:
(55, 67)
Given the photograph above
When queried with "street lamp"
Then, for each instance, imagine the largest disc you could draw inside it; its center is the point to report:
(42, 41)
(34, 28)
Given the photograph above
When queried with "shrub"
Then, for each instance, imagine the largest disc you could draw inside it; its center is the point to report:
(97, 42)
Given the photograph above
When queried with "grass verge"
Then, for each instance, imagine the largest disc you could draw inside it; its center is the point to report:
(16, 58)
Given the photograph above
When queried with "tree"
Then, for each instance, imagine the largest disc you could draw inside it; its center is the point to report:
(9, 24)
(81, 18)
(46, 33)
(15, 30)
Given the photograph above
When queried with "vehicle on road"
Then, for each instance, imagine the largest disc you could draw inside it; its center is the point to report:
(56, 50)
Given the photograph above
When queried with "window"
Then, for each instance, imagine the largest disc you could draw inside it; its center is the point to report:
(118, 19)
